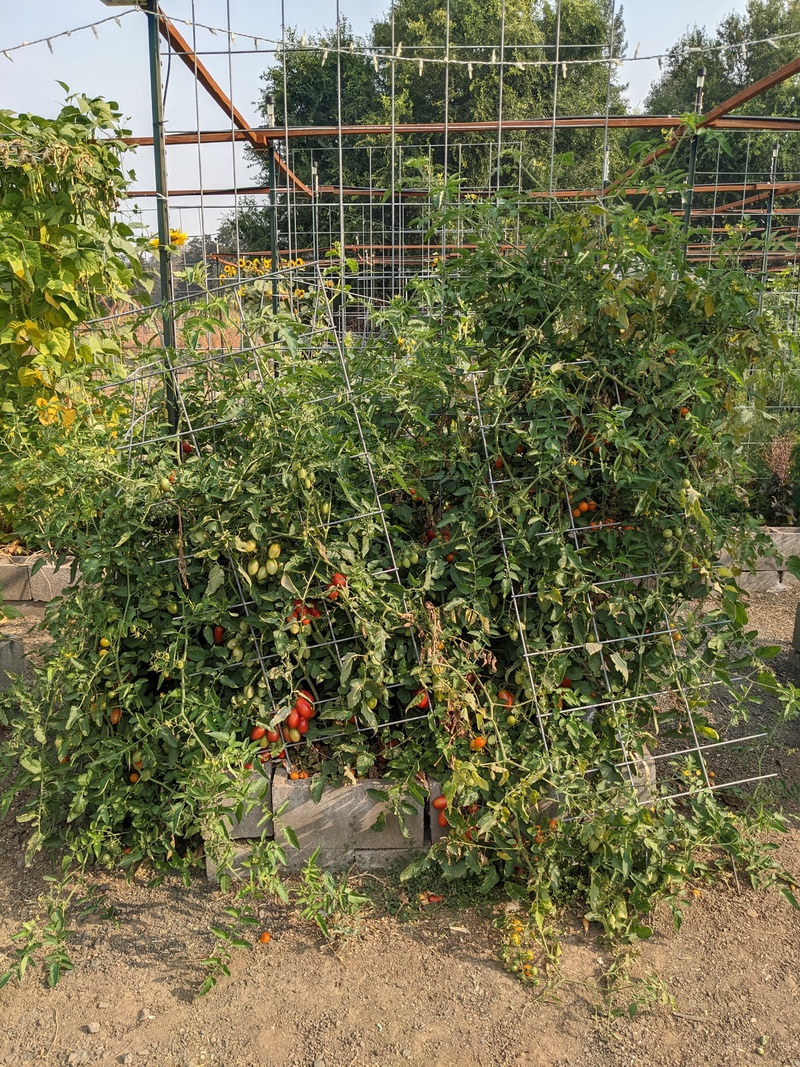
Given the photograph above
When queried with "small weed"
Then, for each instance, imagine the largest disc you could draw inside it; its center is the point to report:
(228, 938)
(44, 938)
(330, 902)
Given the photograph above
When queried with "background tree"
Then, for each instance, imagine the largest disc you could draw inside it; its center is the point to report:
(731, 65)
(306, 93)
(527, 92)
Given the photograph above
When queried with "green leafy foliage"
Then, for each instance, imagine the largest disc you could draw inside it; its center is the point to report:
(732, 65)
(482, 541)
(65, 255)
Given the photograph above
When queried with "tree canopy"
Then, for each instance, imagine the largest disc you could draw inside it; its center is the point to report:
(732, 64)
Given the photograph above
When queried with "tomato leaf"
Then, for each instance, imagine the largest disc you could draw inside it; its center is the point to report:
(291, 837)
(216, 578)
(414, 868)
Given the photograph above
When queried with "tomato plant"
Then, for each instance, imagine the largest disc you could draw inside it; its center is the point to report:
(555, 584)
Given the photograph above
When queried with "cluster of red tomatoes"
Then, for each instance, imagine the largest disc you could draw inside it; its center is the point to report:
(304, 612)
(292, 729)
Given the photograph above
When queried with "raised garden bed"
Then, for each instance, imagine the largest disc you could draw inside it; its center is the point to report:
(12, 661)
(340, 824)
(769, 577)
(28, 578)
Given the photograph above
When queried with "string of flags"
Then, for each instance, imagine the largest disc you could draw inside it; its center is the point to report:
(93, 26)
(378, 57)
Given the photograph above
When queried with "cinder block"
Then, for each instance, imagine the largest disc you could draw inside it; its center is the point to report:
(236, 869)
(256, 818)
(765, 580)
(15, 581)
(340, 823)
(378, 859)
(769, 576)
(12, 661)
(49, 583)
(786, 540)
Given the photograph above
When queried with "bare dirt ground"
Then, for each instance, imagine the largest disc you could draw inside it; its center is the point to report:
(422, 986)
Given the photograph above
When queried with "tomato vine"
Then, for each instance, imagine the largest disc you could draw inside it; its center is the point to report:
(486, 553)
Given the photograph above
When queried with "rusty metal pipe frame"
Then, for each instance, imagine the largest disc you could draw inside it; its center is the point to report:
(259, 136)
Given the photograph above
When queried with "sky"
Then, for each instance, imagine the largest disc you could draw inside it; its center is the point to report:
(114, 64)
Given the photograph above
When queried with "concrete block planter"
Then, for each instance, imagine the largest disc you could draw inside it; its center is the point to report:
(341, 824)
(769, 577)
(256, 818)
(19, 583)
(12, 661)
(15, 580)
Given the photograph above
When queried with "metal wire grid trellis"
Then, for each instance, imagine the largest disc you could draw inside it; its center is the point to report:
(146, 404)
(403, 234)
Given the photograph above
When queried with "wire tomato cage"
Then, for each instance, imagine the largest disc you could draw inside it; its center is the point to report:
(341, 254)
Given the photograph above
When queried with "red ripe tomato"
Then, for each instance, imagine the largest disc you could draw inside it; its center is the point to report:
(219, 634)
(477, 743)
(187, 448)
(505, 698)
(439, 803)
(423, 699)
(566, 683)
(302, 726)
(306, 695)
(304, 709)
(339, 581)
(257, 733)
(333, 593)
(442, 820)
(498, 463)
(273, 736)
(313, 610)
(115, 716)
(292, 719)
